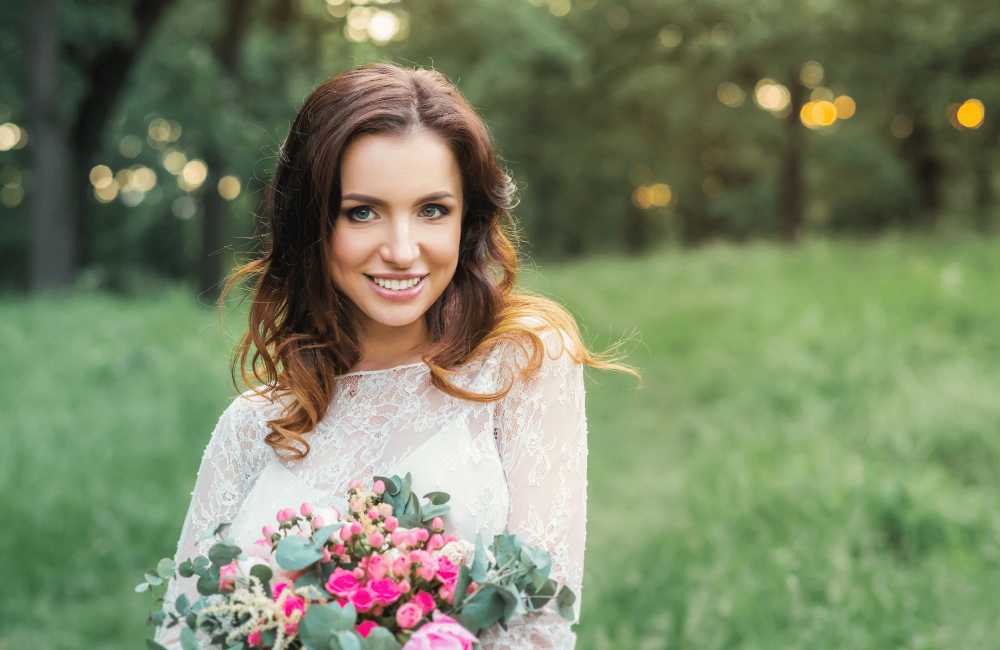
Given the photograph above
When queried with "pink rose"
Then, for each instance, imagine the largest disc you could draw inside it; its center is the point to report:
(341, 583)
(377, 539)
(362, 598)
(365, 628)
(425, 601)
(279, 586)
(446, 571)
(254, 639)
(339, 549)
(345, 533)
(378, 566)
(385, 590)
(427, 569)
(327, 556)
(293, 604)
(378, 487)
(448, 539)
(403, 586)
(401, 567)
(356, 528)
(447, 593)
(409, 615)
(400, 537)
(306, 509)
(227, 576)
(385, 509)
(443, 633)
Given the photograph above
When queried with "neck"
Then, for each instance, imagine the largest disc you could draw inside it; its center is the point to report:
(386, 347)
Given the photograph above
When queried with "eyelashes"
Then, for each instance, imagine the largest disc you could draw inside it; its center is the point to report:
(365, 213)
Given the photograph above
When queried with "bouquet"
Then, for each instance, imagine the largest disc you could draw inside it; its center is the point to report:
(382, 576)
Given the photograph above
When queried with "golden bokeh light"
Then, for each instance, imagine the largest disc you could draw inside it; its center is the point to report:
(10, 134)
(559, 7)
(671, 36)
(971, 114)
(130, 146)
(124, 179)
(901, 126)
(193, 175)
(100, 175)
(821, 94)
(811, 74)
(143, 178)
(11, 195)
(229, 187)
(648, 196)
(845, 107)
(174, 162)
(817, 114)
(106, 193)
(722, 35)
(730, 94)
(772, 96)
(383, 26)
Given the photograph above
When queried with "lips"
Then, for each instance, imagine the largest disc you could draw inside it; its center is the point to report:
(397, 289)
(396, 284)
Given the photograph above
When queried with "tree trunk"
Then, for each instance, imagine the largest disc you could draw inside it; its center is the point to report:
(53, 214)
(790, 226)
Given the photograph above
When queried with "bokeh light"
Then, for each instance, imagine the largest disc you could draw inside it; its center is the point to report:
(101, 175)
(162, 132)
(174, 161)
(184, 207)
(559, 7)
(648, 196)
(772, 96)
(130, 146)
(845, 107)
(383, 26)
(229, 187)
(901, 126)
(817, 114)
(811, 74)
(722, 35)
(12, 192)
(971, 114)
(671, 36)
(730, 94)
(10, 134)
(193, 175)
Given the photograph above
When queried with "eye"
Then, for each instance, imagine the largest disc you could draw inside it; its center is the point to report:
(361, 214)
(433, 211)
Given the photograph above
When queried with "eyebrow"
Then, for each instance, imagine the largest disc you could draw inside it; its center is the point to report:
(374, 200)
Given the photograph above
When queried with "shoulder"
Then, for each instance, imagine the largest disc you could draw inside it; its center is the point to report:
(244, 421)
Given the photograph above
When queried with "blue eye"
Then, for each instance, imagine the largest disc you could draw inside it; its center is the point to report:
(433, 211)
(361, 213)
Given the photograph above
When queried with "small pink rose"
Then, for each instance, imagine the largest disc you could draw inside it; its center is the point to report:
(435, 542)
(427, 569)
(327, 556)
(446, 571)
(385, 590)
(339, 549)
(362, 598)
(377, 539)
(355, 484)
(400, 537)
(356, 528)
(409, 615)
(345, 533)
(443, 633)
(278, 586)
(403, 586)
(425, 601)
(254, 639)
(391, 523)
(448, 539)
(378, 566)
(306, 509)
(374, 514)
(401, 567)
(356, 507)
(227, 576)
(318, 522)
(378, 487)
(437, 524)
(365, 627)
(447, 593)
(422, 534)
(268, 531)
(342, 583)
(359, 574)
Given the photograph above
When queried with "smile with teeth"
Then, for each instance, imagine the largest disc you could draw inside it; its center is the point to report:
(397, 285)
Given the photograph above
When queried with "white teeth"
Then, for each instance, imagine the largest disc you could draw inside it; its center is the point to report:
(396, 285)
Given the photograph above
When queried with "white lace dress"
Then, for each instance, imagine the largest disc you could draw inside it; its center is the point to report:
(518, 463)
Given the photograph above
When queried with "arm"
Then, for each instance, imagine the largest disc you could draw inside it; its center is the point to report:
(542, 438)
(218, 493)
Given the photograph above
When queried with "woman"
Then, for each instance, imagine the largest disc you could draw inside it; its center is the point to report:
(387, 337)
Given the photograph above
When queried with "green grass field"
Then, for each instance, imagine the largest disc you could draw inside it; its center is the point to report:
(812, 463)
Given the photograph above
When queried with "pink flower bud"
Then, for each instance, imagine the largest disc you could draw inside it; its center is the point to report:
(306, 509)
(339, 549)
(379, 487)
(404, 586)
(359, 573)
(472, 587)
(391, 523)
(268, 531)
(345, 533)
(318, 522)
(437, 525)
(327, 556)
(356, 507)
(285, 515)
(356, 528)
(448, 539)
(385, 509)
(355, 484)
(435, 542)
(376, 539)
(373, 514)
(422, 534)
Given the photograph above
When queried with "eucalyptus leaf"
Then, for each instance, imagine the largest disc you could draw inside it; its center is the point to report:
(296, 553)
(158, 618)
(185, 570)
(432, 511)
(564, 603)
(540, 596)
(462, 585)
(199, 564)
(321, 622)
(541, 560)
(322, 536)
(263, 573)
(438, 498)
(479, 563)
(269, 637)
(207, 585)
(182, 604)
(308, 580)
(191, 620)
(222, 554)
(141, 587)
(404, 491)
(380, 638)
(165, 568)
(408, 520)
(218, 530)
(153, 645)
(511, 600)
(349, 640)
(470, 622)
(153, 579)
(487, 606)
(188, 641)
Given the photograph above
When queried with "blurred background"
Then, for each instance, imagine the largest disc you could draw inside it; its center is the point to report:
(790, 207)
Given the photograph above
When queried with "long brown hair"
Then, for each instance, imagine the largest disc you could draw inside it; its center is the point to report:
(303, 331)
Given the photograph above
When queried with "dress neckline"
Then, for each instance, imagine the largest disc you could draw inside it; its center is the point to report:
(391, 369)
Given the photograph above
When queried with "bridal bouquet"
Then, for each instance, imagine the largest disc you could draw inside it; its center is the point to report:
(383, 576)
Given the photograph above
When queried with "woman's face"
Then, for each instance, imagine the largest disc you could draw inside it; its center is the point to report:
(396, 238)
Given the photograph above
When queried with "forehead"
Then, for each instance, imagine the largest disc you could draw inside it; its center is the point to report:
(418, 162)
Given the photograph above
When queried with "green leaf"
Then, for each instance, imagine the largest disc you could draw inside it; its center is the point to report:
(380, 638)
(191, 620)
(269, 637)
(188, 642)
(349, 640)
(153, 645)
(182, 605)
(404, 491)
(321, 536)
(186, 570)
(408, 520)
(165, 568)
(263, 573)
(200, 564)
(564, 603)
(153, 579)
(538, 597)
(432, 511)
(504, 548)
(158, 618)
(392, 485)
(141, 587)
(479, 562)
(222, 554)
(541, 560)
(296, 553)
(438, 498)
(462, 584)
(487, 606)
(309, 580)
(207, 585)
(537, 580)
(511, 600)
(218, 530)
(321, 622)
(470, 622)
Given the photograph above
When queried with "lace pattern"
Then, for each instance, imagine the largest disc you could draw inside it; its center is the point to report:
(518, 463)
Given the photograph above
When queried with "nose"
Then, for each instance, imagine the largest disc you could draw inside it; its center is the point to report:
(400, 247)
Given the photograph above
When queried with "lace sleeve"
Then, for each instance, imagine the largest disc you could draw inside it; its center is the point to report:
(542, 438)
(218, 493)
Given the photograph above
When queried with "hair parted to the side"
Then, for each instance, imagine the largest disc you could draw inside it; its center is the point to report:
(303, 331)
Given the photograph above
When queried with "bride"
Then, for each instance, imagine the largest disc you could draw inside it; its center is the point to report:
(386, 336)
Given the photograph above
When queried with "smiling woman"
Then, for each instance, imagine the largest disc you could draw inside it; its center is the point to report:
(386, 337)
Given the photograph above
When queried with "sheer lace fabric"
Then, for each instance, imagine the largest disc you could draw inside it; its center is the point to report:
(518, 463)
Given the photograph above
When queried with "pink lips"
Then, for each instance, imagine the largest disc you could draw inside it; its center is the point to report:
(401, 295)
